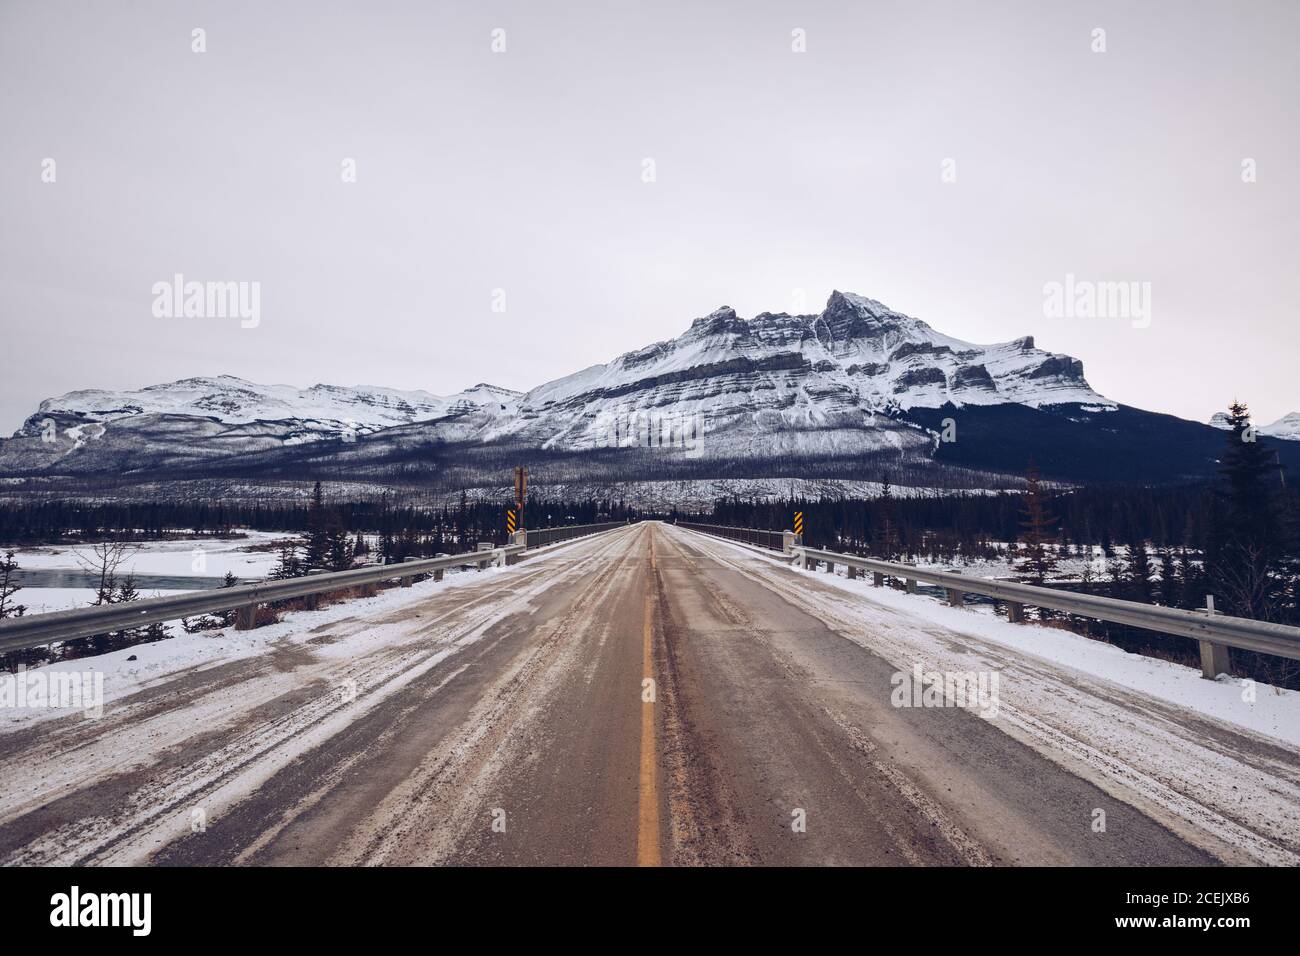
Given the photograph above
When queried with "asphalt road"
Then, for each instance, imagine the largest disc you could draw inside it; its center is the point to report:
(645, 696)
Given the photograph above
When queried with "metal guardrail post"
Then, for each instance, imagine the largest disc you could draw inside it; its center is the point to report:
(407, 580)
(1215, 659)
(313, 600)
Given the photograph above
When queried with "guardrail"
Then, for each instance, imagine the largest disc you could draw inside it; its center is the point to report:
(1214, 632)
(763, 539)
(39, 629)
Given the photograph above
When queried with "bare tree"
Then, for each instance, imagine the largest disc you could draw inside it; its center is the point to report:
(103, 561)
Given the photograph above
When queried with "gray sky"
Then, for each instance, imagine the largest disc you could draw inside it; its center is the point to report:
(522, 170)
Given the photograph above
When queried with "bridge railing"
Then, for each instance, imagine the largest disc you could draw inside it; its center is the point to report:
(537, 537)
(37, 630)
(1214, 632)
(754, 536)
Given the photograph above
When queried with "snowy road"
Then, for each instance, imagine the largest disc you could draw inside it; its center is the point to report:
(656, 696)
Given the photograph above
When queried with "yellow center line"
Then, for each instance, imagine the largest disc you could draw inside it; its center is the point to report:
(647, 836)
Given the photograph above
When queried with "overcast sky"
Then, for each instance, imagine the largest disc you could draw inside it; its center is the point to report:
(775, 171)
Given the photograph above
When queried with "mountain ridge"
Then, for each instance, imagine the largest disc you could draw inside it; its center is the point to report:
(858, 383)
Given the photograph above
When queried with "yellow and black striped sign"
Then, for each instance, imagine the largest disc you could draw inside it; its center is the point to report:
(510, 520)
(798, 522)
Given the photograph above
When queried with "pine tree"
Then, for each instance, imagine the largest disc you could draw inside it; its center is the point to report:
(1107, 545)
(885, 542)
(338, 548)
(122, 593)
(9, 587)
(1189, 580)
(1170, 593)
(1138, 571)
(1116, 579)
(317, 540)
(208, 622)
(1245, 554)
(290, 564)
(1035, 558)
(126, 591)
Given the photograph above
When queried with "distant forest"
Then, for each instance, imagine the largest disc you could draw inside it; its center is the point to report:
(427, 529)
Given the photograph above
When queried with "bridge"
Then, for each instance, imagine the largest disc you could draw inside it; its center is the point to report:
(648, 694)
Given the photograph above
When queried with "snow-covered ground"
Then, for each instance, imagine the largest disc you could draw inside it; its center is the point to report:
(199, 557)
(1069, 568)
(179, 558)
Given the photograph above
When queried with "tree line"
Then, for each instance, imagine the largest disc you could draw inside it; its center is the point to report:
(77, 521)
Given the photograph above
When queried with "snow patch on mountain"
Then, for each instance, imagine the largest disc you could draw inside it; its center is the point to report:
(310, 413)
(1287, 427)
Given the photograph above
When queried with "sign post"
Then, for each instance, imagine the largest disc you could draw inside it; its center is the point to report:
(521, 492)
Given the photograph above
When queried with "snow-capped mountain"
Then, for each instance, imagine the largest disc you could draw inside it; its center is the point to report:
(310, 414)
(858, 385)
(1287, 427)
(838, 382)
